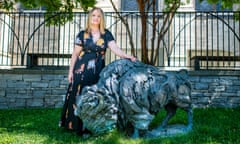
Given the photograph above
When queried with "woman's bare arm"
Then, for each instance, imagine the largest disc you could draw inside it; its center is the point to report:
(116, 50)
(75, 54)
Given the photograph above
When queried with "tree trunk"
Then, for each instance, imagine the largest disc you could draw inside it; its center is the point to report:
(141, 6)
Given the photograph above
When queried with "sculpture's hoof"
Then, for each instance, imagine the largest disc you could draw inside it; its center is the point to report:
(86, 136)
(135, 136)
(151, 134)
(171, 130)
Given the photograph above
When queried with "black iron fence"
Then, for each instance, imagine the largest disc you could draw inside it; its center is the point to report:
(200, 40)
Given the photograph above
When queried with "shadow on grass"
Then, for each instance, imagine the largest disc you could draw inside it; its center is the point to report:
(41, 126)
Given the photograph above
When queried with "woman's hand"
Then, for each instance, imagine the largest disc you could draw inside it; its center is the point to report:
(70, 77)
(132, 58)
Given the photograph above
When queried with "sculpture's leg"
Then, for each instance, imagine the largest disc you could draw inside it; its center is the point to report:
(171, 111)
(135, 133)
(190, 118)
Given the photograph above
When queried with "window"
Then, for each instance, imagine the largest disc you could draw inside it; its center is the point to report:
(131, 5)
(205, 6)
(20, 7)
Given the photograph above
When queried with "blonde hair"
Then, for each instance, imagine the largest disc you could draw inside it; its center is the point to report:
(102, 21)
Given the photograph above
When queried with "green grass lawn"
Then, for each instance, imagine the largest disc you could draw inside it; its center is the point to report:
(40, 126)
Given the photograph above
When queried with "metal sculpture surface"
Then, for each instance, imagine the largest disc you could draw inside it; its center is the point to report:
(129, 95)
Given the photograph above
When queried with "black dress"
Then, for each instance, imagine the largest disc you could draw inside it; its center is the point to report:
(86, 72)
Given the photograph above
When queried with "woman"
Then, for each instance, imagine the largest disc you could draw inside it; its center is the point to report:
(86, 64)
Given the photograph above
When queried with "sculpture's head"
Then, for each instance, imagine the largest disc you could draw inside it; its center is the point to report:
(159, 88)
(170, 87)
(183, 98)
(97, 109)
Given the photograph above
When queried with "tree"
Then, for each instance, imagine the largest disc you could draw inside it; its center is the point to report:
(50, 5)
(53, 7)
(146, 6)
(152, 47)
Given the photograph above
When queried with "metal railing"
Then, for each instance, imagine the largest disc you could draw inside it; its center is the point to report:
(206, 40)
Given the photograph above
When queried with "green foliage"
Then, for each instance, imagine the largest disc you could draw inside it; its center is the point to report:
(170, 3)
(50, 5)
(85, 4)
(6, 4)
(38, 126)
(53, 8)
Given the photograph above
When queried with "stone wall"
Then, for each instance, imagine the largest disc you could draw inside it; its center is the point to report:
(215, 88)
(42, 88)
(32, 88)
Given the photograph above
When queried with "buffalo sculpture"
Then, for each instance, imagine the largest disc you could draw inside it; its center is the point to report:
(129, 95)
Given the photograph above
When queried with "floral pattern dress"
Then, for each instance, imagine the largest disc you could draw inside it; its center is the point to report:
(86, 72)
